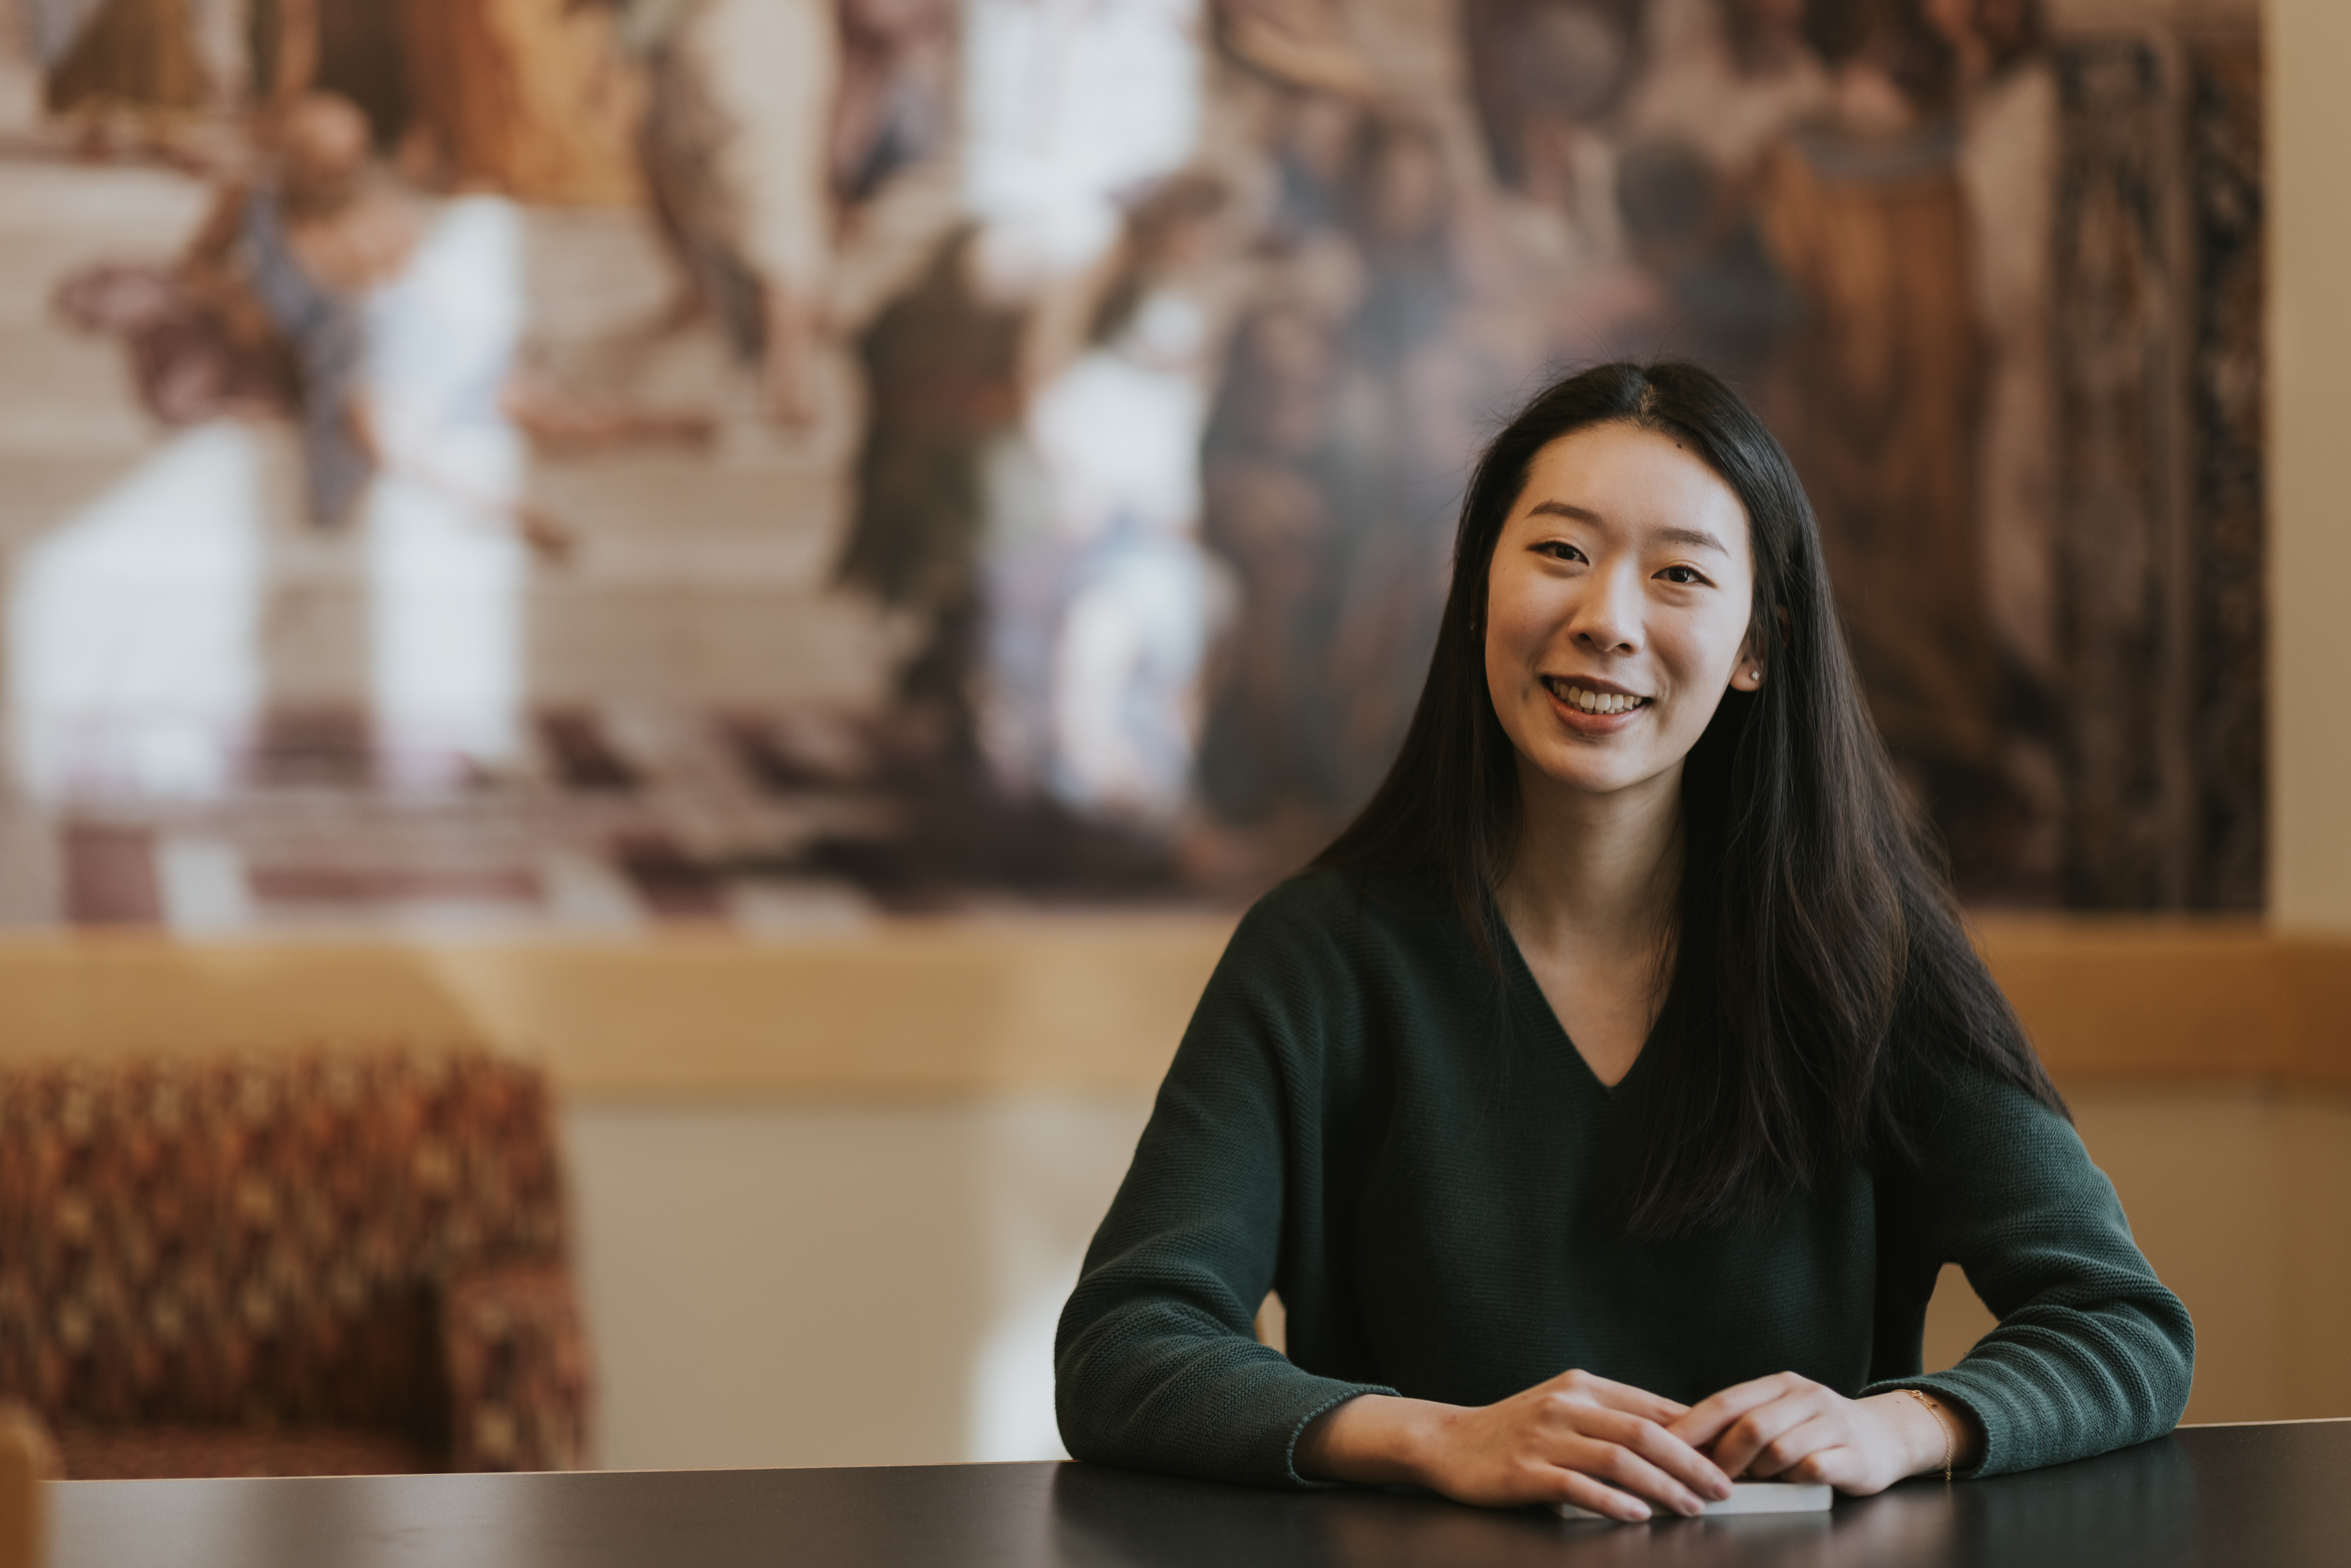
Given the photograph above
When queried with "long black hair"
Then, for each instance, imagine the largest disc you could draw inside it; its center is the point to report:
(1822, 982)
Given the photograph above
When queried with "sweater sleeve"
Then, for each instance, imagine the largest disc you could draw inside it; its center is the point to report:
(2091, 1352)
(1156, 1365)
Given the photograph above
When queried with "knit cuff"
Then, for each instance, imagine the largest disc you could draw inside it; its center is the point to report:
(1333, 1396)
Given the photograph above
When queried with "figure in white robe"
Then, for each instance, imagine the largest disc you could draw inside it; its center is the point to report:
(446, 564)
(1101, 602)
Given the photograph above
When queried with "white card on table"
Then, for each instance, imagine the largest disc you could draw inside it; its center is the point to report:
(1746, 1496)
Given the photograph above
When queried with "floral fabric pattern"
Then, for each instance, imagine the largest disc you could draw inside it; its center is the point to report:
(238, 1250)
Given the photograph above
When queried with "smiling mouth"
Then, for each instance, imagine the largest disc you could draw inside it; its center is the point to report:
(1585, 700)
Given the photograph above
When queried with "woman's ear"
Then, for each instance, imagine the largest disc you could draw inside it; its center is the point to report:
(1747, 674)
(1747, 669)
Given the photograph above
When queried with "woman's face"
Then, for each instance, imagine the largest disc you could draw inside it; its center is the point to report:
(1617, 608)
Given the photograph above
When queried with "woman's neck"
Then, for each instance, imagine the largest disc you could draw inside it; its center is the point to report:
(1599, 873)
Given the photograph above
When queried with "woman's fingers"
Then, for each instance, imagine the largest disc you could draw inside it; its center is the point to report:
(1627, 1471)
(1821, 1431)
(1619, 1396)
(1735, 1450)
(1606, 1500)
(1699, 1475)
(1841, 1465)
(1710, 1417)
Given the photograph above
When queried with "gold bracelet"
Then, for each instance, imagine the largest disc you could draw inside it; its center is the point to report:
(1950, 1437)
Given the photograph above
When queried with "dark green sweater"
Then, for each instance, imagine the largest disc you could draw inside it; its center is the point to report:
(1365, 1118)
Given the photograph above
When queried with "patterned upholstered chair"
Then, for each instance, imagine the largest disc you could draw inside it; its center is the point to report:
(297, 1265)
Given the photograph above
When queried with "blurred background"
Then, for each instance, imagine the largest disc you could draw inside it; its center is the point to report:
(557, 464)
(789, 565)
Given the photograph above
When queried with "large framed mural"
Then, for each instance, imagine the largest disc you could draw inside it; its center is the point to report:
(544, 466)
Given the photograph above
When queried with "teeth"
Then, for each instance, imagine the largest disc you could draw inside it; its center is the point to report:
(1597, 702)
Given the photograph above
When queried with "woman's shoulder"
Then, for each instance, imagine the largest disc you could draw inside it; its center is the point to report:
(1345, 921)
(1957, 1052)
(1331, 964)
(1972, 1104)
(1365, 901)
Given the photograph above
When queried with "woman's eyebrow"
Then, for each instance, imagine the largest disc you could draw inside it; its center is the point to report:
(1562, 510)
(1696, 539)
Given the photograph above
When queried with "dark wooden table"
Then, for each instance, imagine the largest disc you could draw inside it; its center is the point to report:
(2247, 1496)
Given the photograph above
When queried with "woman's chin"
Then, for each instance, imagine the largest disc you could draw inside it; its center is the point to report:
(1584, 768)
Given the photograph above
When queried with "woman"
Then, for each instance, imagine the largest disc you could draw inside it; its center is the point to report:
(1604, 1102)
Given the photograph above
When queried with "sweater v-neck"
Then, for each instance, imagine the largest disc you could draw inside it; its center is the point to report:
(1527, 994)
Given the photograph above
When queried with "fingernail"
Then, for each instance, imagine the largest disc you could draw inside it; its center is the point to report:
(1692, 1508)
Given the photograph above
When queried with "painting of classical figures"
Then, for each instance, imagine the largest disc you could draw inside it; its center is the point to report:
(761, 464)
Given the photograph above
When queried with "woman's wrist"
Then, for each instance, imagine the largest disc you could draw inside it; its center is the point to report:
(1938, 1436)
(1374, 1440)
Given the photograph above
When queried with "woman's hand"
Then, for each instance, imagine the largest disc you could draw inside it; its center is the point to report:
(1787, 1428)
(1602, 1446)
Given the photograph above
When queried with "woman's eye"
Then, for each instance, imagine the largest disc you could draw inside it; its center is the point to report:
(1559, 551)
(1682, 574)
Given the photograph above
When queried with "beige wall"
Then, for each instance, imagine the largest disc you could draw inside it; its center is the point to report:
(2309, 49)
(835, 1283)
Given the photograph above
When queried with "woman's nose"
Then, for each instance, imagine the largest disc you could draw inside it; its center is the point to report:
(1608, 616)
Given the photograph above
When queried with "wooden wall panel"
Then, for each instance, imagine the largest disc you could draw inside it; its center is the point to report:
(2174, 998)
(1096, 1001)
